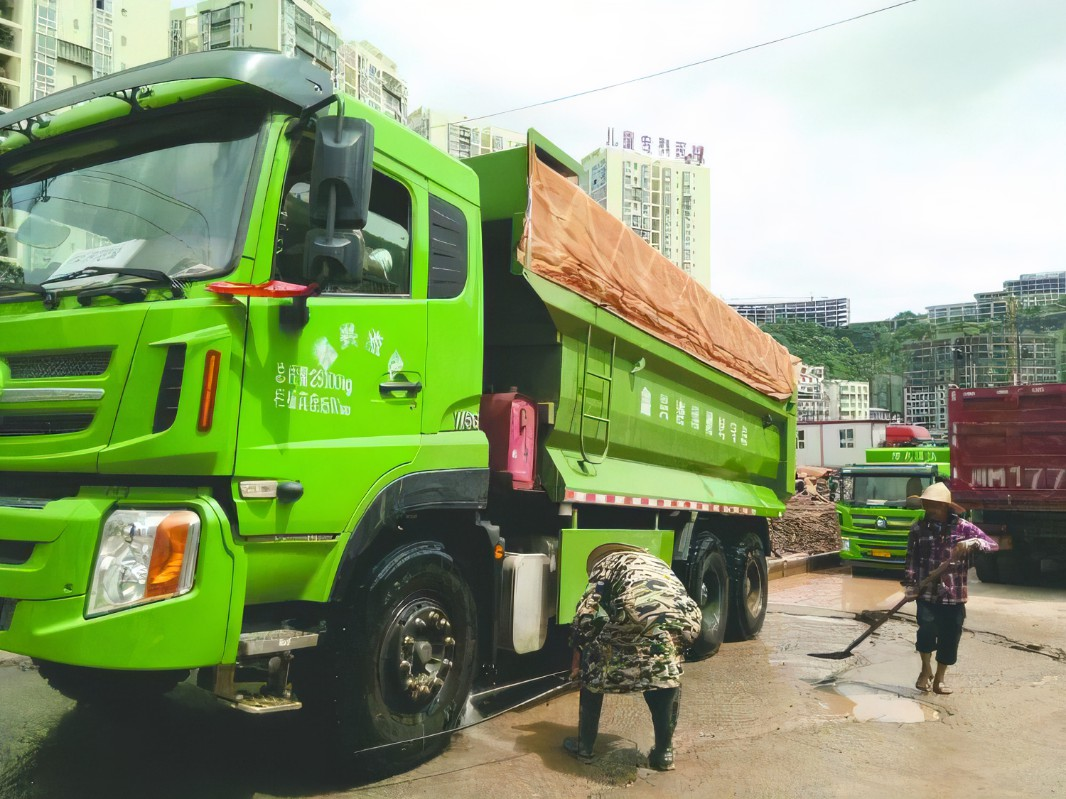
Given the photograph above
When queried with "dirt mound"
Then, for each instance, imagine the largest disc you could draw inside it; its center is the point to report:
(808, 525)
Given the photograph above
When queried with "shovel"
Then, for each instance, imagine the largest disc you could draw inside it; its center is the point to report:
(846, 653)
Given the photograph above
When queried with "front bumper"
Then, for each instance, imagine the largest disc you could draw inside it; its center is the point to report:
(45, 594)
(881, 554)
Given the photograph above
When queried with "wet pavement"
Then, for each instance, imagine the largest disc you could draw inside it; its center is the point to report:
(761, 719)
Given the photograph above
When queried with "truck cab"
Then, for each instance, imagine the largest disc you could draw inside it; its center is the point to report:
(878, 504)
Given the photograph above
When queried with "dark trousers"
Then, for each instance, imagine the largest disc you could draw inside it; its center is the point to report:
(664, 704)
(940, 630)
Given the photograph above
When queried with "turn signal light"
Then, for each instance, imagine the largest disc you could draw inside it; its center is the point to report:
(207, 396)
(168, 554)
(499, 552)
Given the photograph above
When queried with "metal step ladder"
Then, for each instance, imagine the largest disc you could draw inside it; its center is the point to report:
(608, 392)
(268, 650)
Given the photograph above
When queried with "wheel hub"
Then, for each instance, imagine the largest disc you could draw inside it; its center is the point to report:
(753, 596)
(426, 649)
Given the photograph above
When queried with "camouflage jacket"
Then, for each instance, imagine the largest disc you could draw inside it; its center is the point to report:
(632, 623)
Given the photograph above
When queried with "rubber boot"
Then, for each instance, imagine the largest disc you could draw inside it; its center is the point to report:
(588, 726)
(927, 672)
(665, 705)
(938, 680)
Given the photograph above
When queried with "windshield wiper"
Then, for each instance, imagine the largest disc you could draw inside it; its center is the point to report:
(15, 289)
(177, 289)
(124, 294)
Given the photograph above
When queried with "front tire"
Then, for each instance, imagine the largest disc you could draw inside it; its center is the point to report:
(108, 687)
(748, 576)
(401, 660)
(708, 585)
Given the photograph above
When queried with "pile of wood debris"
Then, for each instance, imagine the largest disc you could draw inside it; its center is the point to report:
(809, 525)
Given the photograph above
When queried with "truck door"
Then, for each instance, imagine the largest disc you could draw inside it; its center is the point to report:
(336, 404)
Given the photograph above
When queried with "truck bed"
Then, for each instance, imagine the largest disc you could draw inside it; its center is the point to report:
(1008, 447)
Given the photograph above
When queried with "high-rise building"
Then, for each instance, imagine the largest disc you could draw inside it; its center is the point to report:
(302, 28)
(812, 400)
(461, 139)
(373, 78)
(48, 45)
(664, 199)
(827, 313)
(1028, 291)
(1014, 335)
(848, 399)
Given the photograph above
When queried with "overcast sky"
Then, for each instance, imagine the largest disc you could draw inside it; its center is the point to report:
(908, 158)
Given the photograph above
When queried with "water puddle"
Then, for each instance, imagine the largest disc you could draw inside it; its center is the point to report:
(862, 703)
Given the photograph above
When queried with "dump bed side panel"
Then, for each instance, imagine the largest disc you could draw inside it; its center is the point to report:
(623, 413)
(1008, 446)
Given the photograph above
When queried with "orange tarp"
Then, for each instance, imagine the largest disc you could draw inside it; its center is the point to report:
(572, 241)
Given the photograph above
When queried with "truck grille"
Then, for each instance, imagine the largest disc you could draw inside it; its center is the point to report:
(69, 364)
(50, 424)
(871, 524)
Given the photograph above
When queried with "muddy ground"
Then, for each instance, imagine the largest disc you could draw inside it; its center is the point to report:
(761, 719)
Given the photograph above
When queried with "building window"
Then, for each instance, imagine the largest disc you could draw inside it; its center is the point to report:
(847, 439)
(800, 436)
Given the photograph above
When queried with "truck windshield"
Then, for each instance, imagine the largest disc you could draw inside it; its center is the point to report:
(890, 490)
(162, 191)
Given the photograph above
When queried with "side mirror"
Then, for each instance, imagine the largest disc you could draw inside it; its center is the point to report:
(342, 170)
(326, 251)
(339, 196)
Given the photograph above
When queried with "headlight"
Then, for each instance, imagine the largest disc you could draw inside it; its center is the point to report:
(144, 555)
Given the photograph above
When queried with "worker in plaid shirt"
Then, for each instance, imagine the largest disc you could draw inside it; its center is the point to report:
(938, 537)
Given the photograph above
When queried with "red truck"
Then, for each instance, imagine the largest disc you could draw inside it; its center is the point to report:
(1008, 465)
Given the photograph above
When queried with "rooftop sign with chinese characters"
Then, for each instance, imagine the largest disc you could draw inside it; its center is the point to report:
(681, 150)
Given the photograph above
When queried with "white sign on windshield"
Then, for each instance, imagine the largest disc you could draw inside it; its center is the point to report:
(111, 256)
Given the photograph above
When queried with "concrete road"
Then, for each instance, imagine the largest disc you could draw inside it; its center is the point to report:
(761, 719)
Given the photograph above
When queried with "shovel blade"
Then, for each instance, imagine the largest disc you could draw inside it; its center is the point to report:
(830, 655)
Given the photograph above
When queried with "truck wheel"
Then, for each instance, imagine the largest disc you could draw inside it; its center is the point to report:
(709, 586)
(748, 592)
(987, 565)
(108, 687)
(402, 661)
(1017, 567)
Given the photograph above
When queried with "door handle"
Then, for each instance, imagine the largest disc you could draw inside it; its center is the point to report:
(406, 386)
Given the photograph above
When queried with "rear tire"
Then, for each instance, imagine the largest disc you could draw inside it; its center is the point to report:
(987, 566)
(108, 687)
(708, 585)
(1016, 567)
(748, 592)
(409, 623)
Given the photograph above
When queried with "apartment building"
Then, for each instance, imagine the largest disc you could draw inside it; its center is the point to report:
(459, 138)
(1039, 289)
(301, 28)
(812, 399)
(368, 74)
(824, 312)
(848, 399)
(664, 198)
(48, 45)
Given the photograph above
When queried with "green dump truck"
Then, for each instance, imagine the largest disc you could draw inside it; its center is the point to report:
(293, 399)
(876, 509)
